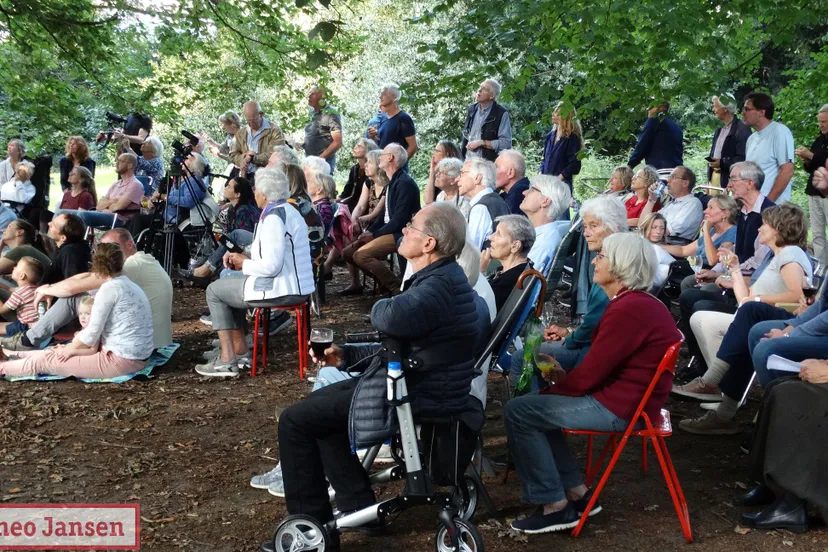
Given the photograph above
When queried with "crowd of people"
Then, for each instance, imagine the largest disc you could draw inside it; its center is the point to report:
(735, 257)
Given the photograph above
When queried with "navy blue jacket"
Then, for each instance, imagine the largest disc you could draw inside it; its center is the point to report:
(746, 231)
(514, 197)
(733, 149)
(561, 157)
(403, 203)
(660, 144)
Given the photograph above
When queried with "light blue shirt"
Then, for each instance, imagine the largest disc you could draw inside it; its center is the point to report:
(770, 148)
(6, 216)
(547, 239)
(479, 219)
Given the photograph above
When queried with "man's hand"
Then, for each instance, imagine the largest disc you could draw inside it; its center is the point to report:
(372, 132)
(365, 237)
(475, 144)
(555, 333)
(234, 261)
(42, 294)
(814, 371)
(715, 164)
(706, 275)
(555, 373)
(333, 355)
(724, 283)
(804, 153)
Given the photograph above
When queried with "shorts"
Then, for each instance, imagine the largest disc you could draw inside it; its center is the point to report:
(15, 328)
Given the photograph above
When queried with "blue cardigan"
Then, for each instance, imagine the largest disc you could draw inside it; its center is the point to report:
(660, 144)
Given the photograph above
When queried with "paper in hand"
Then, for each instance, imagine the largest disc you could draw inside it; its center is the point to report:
(776, 362)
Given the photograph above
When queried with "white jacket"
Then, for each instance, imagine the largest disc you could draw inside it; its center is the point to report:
(280, 262)
(20, 192)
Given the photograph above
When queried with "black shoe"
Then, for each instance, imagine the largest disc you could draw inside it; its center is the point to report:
(789, 513)
(539, 522)
(761, 495)
(350, 291)
(581, 504)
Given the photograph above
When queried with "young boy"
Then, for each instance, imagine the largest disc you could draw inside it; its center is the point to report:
(27, 273)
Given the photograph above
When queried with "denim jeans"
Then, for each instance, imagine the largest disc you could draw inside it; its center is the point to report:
(791, 348)
(544, 462)
(95, 219)
(242, 238)
(569, 359)
(329, 375)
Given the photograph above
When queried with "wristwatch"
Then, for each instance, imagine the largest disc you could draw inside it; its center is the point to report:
(758, 298)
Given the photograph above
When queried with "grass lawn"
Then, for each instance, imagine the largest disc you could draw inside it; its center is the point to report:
(104, 177)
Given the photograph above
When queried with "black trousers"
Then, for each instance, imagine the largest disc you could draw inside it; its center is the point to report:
(694, 300)
(313, 443)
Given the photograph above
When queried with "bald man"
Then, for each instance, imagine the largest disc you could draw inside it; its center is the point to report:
(255, 141)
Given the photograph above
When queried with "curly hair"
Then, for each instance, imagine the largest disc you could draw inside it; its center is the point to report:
(789, 222)
(83, 148)
(108, 260)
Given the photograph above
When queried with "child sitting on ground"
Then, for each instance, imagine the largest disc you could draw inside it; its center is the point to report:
(27, 273)
(84, 314)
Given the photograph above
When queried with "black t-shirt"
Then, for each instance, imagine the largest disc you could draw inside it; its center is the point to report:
(70, 259)
(503, 282)
(134, 124)
(395, 130)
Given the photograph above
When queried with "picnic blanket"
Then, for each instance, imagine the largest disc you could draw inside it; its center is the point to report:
(158, 358)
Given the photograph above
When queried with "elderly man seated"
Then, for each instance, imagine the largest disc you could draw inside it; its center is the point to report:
(685, 213)
(141, 268)
(436, 317)
(124, 195)
(402, 201)
(476, 183)
(543, 202)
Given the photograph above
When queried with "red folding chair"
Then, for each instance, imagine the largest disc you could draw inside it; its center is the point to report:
(302, 311)
(655, 433)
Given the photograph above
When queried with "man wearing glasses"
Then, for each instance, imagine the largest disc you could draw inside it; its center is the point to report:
(771, 146)
(255, 142)
(685, 213)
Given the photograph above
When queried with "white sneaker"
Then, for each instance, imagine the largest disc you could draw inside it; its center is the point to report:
(218, 368)
(264, 480)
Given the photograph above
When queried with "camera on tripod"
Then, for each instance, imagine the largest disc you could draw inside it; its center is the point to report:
(182, 151)
(112, 119)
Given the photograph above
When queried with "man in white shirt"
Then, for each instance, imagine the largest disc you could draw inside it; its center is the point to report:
(543, 202)
(685, 213)
(771, 146)
(139, 267)
(476, 183)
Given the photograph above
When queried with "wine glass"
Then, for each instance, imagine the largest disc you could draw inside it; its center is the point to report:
(547, 363)
(696, 263)
(320, 340)
(726, 254)
(809, 290)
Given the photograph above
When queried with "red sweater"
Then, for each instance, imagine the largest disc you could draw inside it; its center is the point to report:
(627, 346)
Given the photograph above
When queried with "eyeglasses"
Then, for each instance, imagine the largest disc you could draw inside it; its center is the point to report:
(600, 256)
(535, 189)
(410, 226)
(746, 108)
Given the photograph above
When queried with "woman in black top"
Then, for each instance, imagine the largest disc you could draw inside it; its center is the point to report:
(77, 155)
(510, 244)
(357, 178)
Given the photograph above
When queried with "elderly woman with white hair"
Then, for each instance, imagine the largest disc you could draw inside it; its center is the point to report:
(510, 244)
(16, 150)
(312, 164)
(603, 216)
(19, 190)
(602, 393)
(150, 162)
(277, 273)
(445, 179)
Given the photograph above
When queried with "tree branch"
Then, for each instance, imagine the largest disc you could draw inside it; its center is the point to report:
(241, 35)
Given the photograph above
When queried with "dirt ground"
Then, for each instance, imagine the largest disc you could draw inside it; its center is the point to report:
(184, 447)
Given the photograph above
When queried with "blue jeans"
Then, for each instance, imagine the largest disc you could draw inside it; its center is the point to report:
(569, 359)
(242, 238)
(791, 348)
(329, 375)
(544, 462)
(95, 219)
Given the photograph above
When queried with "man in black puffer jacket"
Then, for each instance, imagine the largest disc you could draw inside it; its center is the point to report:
(436, 319)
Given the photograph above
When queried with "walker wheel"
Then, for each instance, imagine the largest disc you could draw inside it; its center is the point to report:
(465, 498)
(468, 538)
(299, 533)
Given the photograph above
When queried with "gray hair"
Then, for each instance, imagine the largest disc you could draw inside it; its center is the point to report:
(484, 168)
(469, 261)
(823, 109)
(157, 146)
(326, 182)
(284, 155)
(730, 106)
(399, 153)
(556, 191)
(381, 177)
(447, 225)
(650, 174)
(450, 166)
(393, 88)
(494, 86)
(197, 165)
(520, 229)
(748, 170)
(230, 117)
(609, 209)
(273, 184)
(368, 144)
(20, 145)
(516, 160)
(28, 166)
(313, 163)
(631, 260)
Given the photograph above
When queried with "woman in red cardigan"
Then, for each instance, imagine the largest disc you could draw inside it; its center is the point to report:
(601, 393)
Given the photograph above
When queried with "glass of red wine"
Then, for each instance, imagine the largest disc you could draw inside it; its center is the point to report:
(320, 340)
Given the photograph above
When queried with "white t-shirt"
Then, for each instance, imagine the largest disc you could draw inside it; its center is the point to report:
(17, 191)
(458, 201)
(149, 275)
(770, 282)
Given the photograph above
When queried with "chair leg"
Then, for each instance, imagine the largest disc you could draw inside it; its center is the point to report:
(673, 486)
(644, 454)
(255, 342)
(592, 469)
(747, 390)
(265, 334)
(300, 331)
(597, 490)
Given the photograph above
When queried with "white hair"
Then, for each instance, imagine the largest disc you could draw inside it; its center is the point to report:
(556, 191)
(631, 260)
(399, 153)
(326, 182)
(494, 86)
(273, 184)
(157, 146)
(484, 168)
(450, 166)
(823, 109)
(520, 229)
(313, 163)
(284, 155)
(609, 210)
(230, 117)
(394, 89)
(729, 105)
(469, 261)
(516, 160)
(197, 165)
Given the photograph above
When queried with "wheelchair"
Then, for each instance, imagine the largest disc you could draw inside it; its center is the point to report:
(301, 532)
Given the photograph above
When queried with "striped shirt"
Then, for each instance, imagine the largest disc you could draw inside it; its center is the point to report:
(22, 301)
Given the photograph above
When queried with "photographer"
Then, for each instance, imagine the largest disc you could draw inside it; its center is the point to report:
(437, 321)
(190, 191)
(136, 129)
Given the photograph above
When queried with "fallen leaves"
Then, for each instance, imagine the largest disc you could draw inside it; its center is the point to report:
(739, 530)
